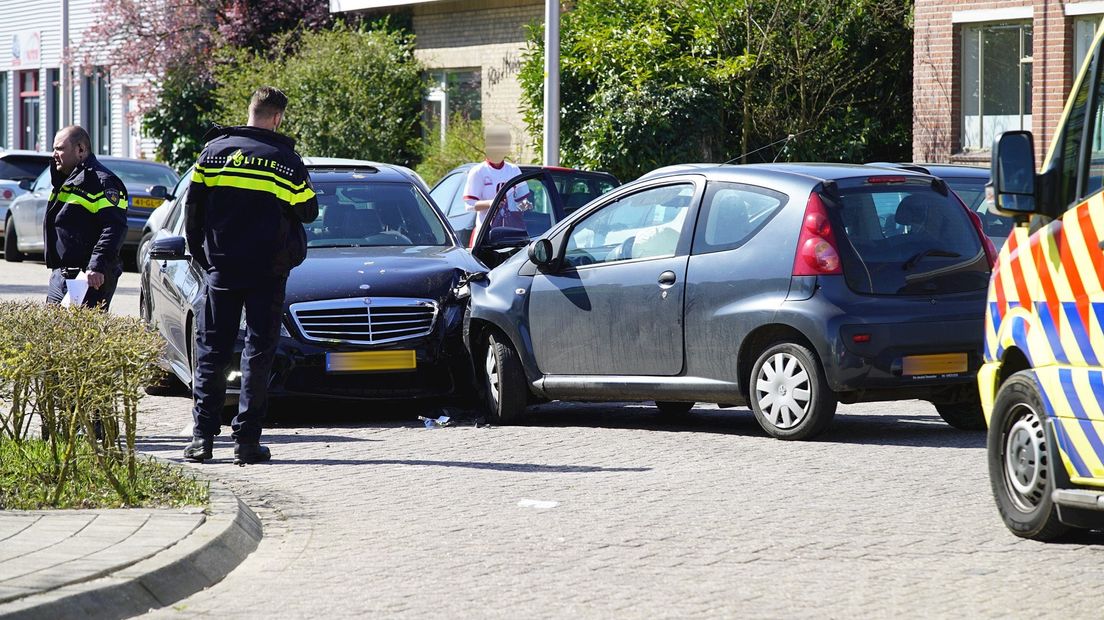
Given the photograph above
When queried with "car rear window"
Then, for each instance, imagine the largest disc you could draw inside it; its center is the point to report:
(140, 176)
(19, 167)
(908, 238)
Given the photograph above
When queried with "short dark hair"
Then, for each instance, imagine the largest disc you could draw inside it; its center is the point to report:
(268, 101)
(76, 134)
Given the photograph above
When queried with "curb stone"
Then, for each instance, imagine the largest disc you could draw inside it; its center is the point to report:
(230, 532)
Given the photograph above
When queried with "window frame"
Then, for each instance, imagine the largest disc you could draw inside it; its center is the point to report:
(1026, 57)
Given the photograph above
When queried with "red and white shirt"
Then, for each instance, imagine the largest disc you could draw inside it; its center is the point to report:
(484, 182)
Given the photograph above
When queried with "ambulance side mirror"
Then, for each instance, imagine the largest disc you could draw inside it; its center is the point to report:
(1013, 173)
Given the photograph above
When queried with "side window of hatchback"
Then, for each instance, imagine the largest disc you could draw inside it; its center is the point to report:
(647, 224)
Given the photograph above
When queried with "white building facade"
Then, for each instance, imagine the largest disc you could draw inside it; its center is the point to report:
(43, 88)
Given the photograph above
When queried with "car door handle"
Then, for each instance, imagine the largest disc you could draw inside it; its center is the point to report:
(667, 278)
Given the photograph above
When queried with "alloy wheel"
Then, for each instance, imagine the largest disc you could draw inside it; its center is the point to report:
(491, 366)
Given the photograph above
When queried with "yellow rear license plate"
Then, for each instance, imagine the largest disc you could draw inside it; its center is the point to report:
(942, 364)
(370, 361)
(145, 203)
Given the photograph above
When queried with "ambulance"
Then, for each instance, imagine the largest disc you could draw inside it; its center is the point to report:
(1042, 380)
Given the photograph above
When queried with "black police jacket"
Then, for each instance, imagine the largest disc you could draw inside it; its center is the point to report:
(249, 198)
(85, 223)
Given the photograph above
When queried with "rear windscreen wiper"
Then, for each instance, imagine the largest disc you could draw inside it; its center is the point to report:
(919, 256)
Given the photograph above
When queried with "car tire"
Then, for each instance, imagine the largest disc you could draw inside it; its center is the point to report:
(504, 387)
(673, 409)
(165, 384)
(1022, 466)
(11, 243)
(965, 416)
(790, 396)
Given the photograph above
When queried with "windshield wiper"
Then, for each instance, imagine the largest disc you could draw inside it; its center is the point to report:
(336, 245)
(919, 256)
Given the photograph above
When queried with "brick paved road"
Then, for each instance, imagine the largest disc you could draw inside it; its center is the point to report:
(368, 514)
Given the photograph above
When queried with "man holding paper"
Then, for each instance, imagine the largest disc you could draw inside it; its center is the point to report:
(85, 223)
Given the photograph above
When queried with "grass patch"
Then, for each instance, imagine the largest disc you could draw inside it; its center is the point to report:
(28, 481)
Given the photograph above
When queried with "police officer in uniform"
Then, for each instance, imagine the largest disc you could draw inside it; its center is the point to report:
(85, 222)
(249, 198)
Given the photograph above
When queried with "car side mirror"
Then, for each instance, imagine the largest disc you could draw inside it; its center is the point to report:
(541, 253)
(168, 248)
(26, 184)
(159, 191)
(1013, 173)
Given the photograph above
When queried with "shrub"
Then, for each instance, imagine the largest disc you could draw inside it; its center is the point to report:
(352, 93)
(79, 372)
(463, 143)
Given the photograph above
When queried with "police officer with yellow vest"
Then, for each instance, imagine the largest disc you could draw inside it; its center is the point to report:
(85, 222)
(249, 198)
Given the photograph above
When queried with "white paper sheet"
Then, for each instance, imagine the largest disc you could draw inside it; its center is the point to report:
(75, 290)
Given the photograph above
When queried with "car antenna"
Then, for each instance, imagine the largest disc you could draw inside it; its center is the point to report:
(787, 139)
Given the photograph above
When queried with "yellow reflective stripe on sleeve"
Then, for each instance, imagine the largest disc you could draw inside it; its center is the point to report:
(94, 202)
(257, 185)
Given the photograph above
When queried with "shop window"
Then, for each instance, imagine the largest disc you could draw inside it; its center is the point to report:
(96, 109)
(996, 82)
(452, 93)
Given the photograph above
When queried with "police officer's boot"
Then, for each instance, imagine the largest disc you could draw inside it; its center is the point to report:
(251, 453)
(200, 449)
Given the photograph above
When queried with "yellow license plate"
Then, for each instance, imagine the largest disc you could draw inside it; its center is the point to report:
(942, 364)
(145, 203)
(370, 361)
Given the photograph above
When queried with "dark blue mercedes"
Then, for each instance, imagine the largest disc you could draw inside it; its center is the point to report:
(375, 311)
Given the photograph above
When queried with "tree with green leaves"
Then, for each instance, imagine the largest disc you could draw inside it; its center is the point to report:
(646, 83)
(353, 93)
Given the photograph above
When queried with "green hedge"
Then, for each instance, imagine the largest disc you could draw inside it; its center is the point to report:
(77, 373)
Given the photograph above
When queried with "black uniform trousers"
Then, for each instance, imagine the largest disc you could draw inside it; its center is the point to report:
(94, 298)
(216, 332)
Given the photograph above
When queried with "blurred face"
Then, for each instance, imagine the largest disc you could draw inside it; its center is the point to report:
(498, 145)
(67, 153)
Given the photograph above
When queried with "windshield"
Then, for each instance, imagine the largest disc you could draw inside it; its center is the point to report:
(139, 176)
(19, 167)
(908, 239)
(356, 213)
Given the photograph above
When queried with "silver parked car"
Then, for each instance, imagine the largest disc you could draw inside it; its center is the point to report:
(147, 184)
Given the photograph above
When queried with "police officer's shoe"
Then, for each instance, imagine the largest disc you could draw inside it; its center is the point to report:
(200, 449)
(251, 453)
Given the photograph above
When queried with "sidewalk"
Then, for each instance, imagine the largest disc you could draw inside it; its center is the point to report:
(118, 563)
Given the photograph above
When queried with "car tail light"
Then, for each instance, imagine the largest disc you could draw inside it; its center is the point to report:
(860, 338)
(881, 180)
(817, 252)
(7, 194)
(986, 242)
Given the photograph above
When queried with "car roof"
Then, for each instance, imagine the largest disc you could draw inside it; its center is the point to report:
(533, 168)
(808, 171)
(111, 158)
(939, 170)
(24, 153)
(320, 167)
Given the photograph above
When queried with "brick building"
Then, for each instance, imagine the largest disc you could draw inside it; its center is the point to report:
(473, 49)
(981, 68)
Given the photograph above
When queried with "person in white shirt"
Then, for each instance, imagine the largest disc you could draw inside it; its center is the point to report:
(488, 177)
